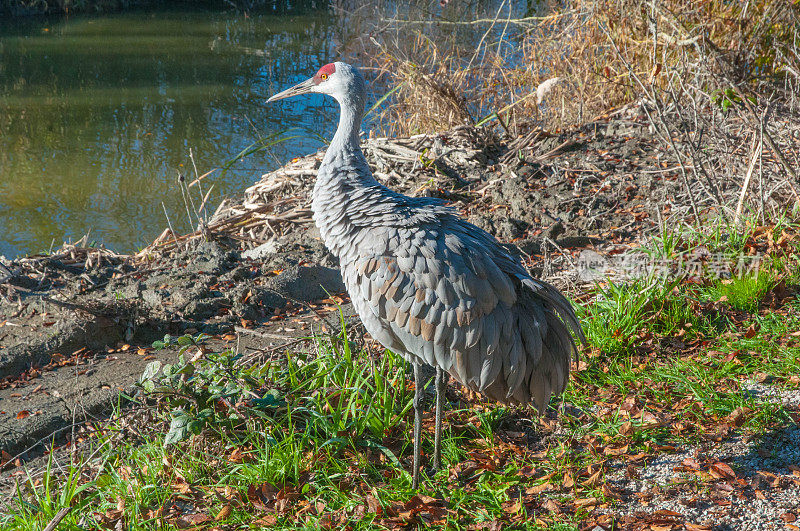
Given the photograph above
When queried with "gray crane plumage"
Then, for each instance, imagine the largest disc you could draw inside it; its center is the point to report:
(429, 285)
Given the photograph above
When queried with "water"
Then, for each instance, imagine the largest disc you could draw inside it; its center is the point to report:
(97, 117)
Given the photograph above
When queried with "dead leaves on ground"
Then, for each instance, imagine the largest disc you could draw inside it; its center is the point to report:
(273, 504)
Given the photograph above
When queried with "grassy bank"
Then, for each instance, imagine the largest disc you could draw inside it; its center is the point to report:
(319, 437)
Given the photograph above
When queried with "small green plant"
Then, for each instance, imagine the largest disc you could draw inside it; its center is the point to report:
(743, 293)
(620, 311)
(325, 394)
(200, 392)
(726, 98)
(668, 245)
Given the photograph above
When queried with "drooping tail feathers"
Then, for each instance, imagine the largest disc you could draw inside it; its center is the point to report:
(544, 328)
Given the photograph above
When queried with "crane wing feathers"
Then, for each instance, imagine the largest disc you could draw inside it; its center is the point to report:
(447, 294)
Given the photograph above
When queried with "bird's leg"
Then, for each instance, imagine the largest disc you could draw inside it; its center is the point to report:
(441, 384)
(417, 424)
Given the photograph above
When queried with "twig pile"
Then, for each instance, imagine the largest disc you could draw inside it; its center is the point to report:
(76, 258)
(280, 202)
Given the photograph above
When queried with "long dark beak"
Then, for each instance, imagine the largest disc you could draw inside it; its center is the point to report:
(305, 87)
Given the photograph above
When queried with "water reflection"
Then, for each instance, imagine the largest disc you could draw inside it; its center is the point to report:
(97, 116)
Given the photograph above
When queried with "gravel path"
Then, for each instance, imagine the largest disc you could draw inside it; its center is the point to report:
(692, 486)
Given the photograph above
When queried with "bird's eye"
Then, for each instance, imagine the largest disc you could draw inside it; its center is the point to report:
(323, 77)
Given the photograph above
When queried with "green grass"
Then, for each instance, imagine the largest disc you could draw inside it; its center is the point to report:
(321, 436)
(38, 500)
(329, 423)
(622, 315)
(745, 293)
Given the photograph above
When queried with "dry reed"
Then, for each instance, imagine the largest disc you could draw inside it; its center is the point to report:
(605, 53)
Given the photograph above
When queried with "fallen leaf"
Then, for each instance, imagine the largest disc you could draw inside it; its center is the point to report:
(762, 377)
(586, 502)
(267, 520)
(189, 520)
(615, 451)
(538, 489)
(373, 505)
(180, 486)
(512, 507)
(224, 513)
(738, 416)
(752, 331)
(788, 517)
(772, 479)
(722, 471)
(649, 419)
(263, 496)
(593, 479)
(551, 506)
(697, 527)
(691, 463)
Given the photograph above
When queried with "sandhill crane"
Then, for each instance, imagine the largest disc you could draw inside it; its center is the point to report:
(430, 286)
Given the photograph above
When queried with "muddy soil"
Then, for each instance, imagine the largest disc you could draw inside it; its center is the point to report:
(76, 327)
(73, 339)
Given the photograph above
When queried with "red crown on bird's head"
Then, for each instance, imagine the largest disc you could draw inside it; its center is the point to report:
(324, 72)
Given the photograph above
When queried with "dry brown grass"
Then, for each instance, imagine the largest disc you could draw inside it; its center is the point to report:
(606, 53)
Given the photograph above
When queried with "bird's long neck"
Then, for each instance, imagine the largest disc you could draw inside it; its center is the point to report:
(345, 188)
(345, 142)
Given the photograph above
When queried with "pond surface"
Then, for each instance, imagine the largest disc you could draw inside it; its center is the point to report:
(97, 117)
